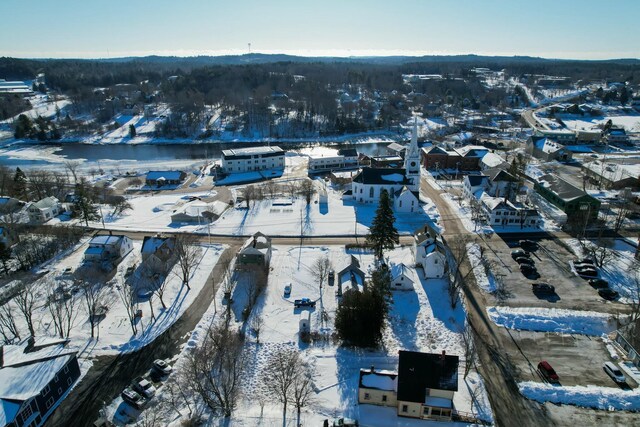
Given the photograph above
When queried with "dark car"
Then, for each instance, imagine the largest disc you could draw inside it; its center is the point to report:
(132, 398)
(584, 265)
(584, 261)
(543, 288)
(524, 260)
(529, 271)
(587, 273)
(332, 277)
(528, 245)
(519, 253)
(608, 294)
(599, 283)
(304, 302)
(548, 372)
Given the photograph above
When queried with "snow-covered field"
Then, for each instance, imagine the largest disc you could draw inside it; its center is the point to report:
(420, 320)
(603, 398)
(553, 320)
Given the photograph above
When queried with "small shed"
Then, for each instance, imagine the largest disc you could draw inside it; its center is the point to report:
(401, 278)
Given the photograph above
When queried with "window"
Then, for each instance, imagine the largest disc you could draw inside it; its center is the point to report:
(26, 413)
(400, 203)
(497, 220)
(69, 381)
(59, 391)
(46, 389)
(66, 369)
(405, 408)
(446, 412)
(425, 411)
(384, 397)
(367, 396)
(436, 412)
(371, 192)
(498, 213)
(49, 402)
(55, 378)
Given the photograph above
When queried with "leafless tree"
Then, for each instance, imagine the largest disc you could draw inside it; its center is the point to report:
(320, 269)
(270, 188)
(188, 255)
(63, 312)
(624, 207)
(94, 296)
(156, 276)
(8, 326)
(279, 379)
(177, 389)
(25, 300)
(292, 188)
(599, 252)
(256, 326)
(469, 349)
(302, 392)
(130, 302)
(72, 167)
(214, 369)
(307, 190)
(460, 267)
(250, 194)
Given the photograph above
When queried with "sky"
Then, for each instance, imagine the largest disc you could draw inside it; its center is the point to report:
(571, 29)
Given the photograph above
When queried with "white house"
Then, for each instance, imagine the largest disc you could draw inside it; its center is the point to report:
(252, 159)
(108, 248)
(501, 213)
(44, 210)
(405, 201)
(496, 182)
(429, 254)
(401, 278)
(492, 160)
(342, 159)
(548, 149)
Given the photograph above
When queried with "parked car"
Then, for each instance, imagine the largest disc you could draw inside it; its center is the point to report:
(614, 372)
(584, 261)
(162, 367)
(529, 245)
(144, 387)
(287, 289)
(519, 253)
(584, 265)
(529, 271)
(524, 260)
(331, 278)
(548, 372)
(344, 422)
(587, 273)
(304, 302)
(599, 283)
(608, 294)
(543, 288)
(133, 398)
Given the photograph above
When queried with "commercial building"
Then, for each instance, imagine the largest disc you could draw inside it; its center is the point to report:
(252, 159)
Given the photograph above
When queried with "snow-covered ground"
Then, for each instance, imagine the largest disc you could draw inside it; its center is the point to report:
(114, 334)
(603, 398)
(553, 320)
(420, 319)
(486, 283)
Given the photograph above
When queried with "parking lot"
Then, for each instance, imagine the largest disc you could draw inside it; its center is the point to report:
(577, 359)
(552, 262)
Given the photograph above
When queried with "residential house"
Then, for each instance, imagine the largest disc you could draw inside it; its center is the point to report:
(377, 387)
(492, 160)
(427, 383)
(110, 247)
(43, 210)
(397, 149)
(547, 149)
(252, 159)
(256, 252)
(10, 205)
(423, 387)
(576, 203)
(34, 378)
(199, 212)
(401, 278)
(495, 182)
(158, 252)
(474, 185)
(504, 213)
(429, 253)
(162, 178)
(349, 273)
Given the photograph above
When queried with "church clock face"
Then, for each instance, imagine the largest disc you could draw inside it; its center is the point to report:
(413, 164)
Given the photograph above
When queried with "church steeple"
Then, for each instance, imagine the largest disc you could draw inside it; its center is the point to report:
(412, 159)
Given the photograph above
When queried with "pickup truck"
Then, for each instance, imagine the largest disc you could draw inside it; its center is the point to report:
(304, 302)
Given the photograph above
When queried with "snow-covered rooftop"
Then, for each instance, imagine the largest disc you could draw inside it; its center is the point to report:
(381, 379)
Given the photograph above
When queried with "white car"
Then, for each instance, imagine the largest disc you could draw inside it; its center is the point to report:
(614, 372)
(144, 387)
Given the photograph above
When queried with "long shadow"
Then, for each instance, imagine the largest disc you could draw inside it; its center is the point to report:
(404, 313)
(436, 290)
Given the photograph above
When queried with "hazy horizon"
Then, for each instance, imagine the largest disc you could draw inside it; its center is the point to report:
(581, 30)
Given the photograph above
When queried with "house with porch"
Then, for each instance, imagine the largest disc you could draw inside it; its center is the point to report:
(43, 210)
(110, 247)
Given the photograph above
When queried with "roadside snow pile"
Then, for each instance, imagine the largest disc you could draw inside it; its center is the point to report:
(553, 320)
(485, 283)
(604, 398)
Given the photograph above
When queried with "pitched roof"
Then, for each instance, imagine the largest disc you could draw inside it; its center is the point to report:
(476, 180)
(394, 146)
(498, 174)
(472, 151)
(47, 202)
(560, 187)
(398, 270)
(106, 239)
(492, 160)
(546, 145)
(150, 244)
(381, 176)
(419, 371)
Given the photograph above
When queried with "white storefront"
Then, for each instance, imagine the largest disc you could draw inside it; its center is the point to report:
(252, 159)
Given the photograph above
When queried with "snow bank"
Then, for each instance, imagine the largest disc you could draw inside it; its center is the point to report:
(485, 283)
(553, 320)
(604, 398)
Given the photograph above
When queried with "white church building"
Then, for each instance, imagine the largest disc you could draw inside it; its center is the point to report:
(402, 184)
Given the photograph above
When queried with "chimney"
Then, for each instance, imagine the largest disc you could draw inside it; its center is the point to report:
(372, 369)
(442, 356)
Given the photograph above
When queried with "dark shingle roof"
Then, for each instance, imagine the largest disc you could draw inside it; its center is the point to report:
(476, 180)
(168, 175)
(498, 174)
(382, 176)
(560, 187)
(419, 371)
(348, 152)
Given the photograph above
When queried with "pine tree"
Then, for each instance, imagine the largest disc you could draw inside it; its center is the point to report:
(84, 206)
(20, 185)
(132, 131)
(382, 233)
(380, 284)
(5, 255)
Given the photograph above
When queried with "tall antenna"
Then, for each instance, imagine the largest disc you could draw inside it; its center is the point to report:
(249, 44)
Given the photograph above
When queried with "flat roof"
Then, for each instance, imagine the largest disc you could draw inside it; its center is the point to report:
(252, 151)
(105, 240)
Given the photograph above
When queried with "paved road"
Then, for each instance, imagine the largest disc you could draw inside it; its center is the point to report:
(109, 375)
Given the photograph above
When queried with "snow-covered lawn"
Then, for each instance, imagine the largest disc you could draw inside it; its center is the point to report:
(604, 398)
(486, 283)
(553, 320)
(114, 334)
(420, 320)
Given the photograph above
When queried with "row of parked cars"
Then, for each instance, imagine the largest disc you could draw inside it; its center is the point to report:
(549, 374)
(142, 389)
(586, 268)
(523, 258)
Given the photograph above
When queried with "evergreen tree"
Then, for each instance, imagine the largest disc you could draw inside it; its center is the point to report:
(383, 234)
(24, 127)
(360, 318)
(84, 207)
(380, 284)
(5, 255)
(20, 185)
(132, 131)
